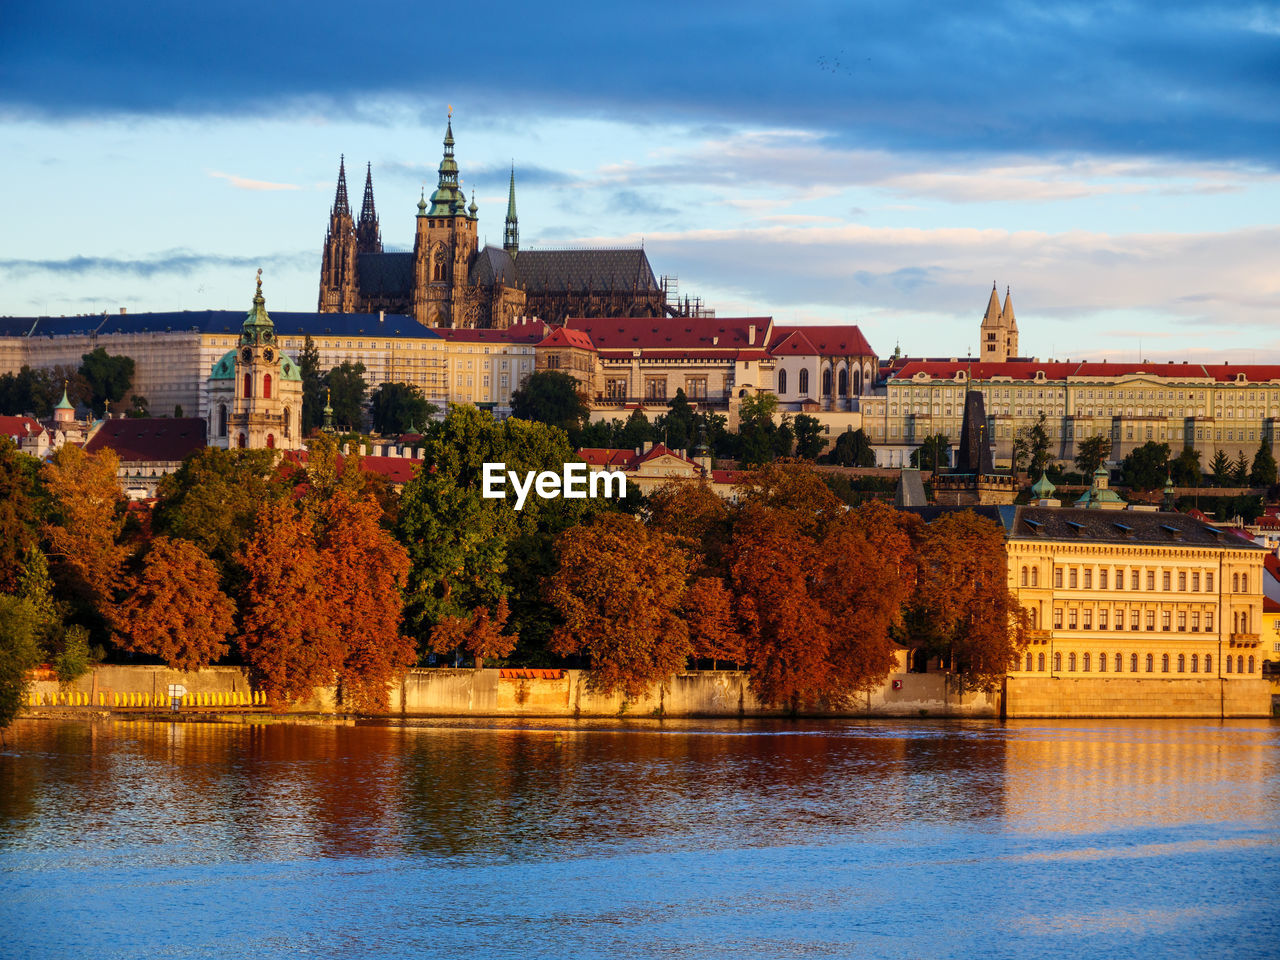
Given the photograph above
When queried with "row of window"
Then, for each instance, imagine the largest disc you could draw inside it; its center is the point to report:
(842, 382)
(1083, 578)
(1114, 663)
(1083, 620)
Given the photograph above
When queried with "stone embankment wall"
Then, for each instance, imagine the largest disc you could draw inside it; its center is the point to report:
(542, 693)
(1123, 697)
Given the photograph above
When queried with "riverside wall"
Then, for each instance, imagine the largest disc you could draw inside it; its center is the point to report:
(444, 692)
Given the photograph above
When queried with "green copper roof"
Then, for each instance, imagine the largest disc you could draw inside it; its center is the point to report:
(64, 403)
(257, 323)
(1043, 488)
(225, 368)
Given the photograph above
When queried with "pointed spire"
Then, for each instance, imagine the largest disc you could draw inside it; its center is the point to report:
(367, 212)
(340, 206)
(258, 325)
(1007, 312)
(511, 232)
(327, 426)
(447, 200)
(368, 235)
(993, 306)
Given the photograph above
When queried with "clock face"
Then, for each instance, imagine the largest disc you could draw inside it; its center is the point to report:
(268, 355)
(246, 355)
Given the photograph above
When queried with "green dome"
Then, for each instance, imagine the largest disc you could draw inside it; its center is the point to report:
(1043, 488)
(225, 368)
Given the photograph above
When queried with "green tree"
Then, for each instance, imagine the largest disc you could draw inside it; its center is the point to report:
(312, 386)
(810, 437)
(1038, 456)
(760, 438)
(1263, 473)
(679, 425)
(22, 507)
(138, 407)
(109, 378)
(346, 386)
(636, 432)
(1220, 467)
(1185, 470)
(1146, 467)
(396, 407)
(19, 624)
(933, 453)
(551, 397)
(1092, 453)
(1240, 470)
(853, 449)
(213, 499)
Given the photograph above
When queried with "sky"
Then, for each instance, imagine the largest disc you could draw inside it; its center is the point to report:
(1114, 165)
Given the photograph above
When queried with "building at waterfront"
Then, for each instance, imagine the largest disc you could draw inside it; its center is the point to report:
(448, 280)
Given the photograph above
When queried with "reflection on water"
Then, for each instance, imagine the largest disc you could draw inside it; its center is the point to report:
(696, 838)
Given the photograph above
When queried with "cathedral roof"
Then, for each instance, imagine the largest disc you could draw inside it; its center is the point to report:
(492, 266)
(385, 274)
(558, 271)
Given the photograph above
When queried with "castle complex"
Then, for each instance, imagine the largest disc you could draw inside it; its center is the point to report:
(448, 280)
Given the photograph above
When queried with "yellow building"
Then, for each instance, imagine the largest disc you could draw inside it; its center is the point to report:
(1134, 613)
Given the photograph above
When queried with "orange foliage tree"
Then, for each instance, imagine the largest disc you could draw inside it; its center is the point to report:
(695, 515)
(480, 633)
(174, 608)
(713, 627)
(287, 635)
(619, 589)
(962, 608)
(85, 532)
(363, 570)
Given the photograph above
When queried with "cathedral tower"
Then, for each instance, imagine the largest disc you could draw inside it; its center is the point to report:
(339, 285)
(511, 232)
(368, 235)
(444, 244)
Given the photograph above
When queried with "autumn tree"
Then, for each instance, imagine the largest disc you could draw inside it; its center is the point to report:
(619, 590)
(174, 608)
(713, 625)
(793, 487)
(696, 516)
(84, 533)
(961, 608)
(480, 633)
(363, 570)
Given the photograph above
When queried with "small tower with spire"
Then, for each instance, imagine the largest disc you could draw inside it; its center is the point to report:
(339, 286)
(368, 234)
(445, 242)
(511, 231)
(998, 333)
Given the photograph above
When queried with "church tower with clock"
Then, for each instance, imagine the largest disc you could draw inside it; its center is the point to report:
(255, 391)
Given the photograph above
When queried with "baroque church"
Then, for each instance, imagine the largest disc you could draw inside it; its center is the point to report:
(449, 281)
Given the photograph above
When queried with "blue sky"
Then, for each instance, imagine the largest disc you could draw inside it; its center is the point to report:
(876, 163)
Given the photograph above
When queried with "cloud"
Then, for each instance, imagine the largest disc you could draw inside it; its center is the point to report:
(242, 183)
(994, 76)
(168, 262)
(635, 203)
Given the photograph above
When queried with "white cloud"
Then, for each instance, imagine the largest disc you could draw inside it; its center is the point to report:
(243, 183)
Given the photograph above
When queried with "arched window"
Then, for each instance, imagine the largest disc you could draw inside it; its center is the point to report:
(1085, 665)
(1244, 583)
(857, 382)
(271, 441)
(285, 419)
(1028, 662)
(1025, 577)
(1071, 663)
(1208, 663)
(826, 382)
(222, 419)
(843, 381)
(1229, 664)
(804, 383)
(1151, 662)
(1040, 662)
(1133, 663)
(1251, 664)
(1182, 663)
(782, 381)
(1240, 664)
(1057, 663)
(1195, 663)
(248, 385)
(266, 386)
(438, 266)
(1102, 663)
(240, 441)
(1034, 576)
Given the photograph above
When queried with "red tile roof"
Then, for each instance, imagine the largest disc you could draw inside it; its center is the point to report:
(607, 457)
(1013, 369)
(19, 427)
(560, 337)
(395, 469)
(1253, 373)
(843, 340)
(149, 438)
(1173, 371)
(710, 337)
(531, 332)
(661, 450)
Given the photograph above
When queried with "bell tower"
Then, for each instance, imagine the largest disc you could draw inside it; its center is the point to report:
(265, 399)
(444, 244)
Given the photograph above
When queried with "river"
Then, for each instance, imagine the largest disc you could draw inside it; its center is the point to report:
(641, 839)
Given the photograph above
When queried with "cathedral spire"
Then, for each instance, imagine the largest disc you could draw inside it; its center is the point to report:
(511, 232)
(368, 235)
(340, 206)
(447, 199)
(993, 305)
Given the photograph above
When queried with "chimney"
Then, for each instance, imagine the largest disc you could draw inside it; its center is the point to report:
(123, 311)
(382, 316)
(751, 335)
